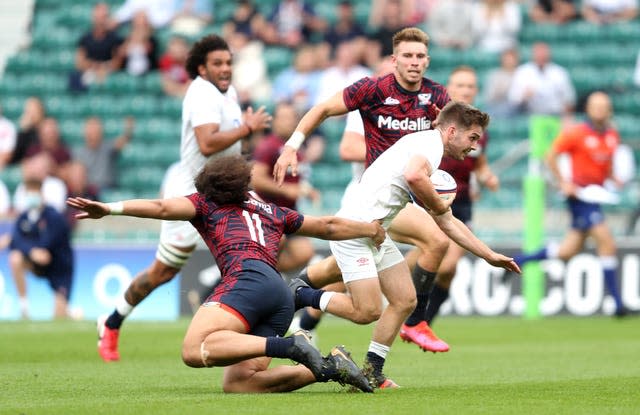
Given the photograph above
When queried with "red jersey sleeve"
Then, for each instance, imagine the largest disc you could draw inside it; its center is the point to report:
(200, 203)
(358, 92)
(292, 220)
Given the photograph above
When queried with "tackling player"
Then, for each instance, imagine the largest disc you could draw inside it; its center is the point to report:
(240, 327)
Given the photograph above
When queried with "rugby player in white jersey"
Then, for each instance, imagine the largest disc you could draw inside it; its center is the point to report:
(213, 125)
(399, 174)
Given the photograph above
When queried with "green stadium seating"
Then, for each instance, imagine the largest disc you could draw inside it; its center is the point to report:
(142, 154)
(141, 179)
(11, 176)
(327, 175)
(332, 129)
(277, 58)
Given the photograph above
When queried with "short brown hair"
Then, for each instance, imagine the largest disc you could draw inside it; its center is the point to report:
(225, 180)
(463, 115)
(410, 34)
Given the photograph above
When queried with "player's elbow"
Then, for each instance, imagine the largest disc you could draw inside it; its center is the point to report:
(413, 178)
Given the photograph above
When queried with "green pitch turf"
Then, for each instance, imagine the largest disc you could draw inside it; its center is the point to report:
(495, 366)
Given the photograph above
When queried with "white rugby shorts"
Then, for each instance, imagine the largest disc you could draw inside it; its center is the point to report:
(358, 259)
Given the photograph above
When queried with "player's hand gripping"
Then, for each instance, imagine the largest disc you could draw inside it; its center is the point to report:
(91, 209)
(380, 235)
(288, 157)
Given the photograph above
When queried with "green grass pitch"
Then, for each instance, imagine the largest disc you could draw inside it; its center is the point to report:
(559, 365)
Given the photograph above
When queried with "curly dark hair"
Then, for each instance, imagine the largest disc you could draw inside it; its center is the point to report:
(200, 50)
(225, 180)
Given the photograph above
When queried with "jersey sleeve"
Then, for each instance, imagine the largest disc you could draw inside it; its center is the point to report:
(206, 107)
(292, 220)
(566, 140)
(441, 97)
(358, 92)
(199, 202)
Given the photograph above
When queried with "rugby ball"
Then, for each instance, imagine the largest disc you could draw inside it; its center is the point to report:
(445, 184)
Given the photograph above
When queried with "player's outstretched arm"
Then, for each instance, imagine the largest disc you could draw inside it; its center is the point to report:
(309, 122)
(462, 235)
(335, 228)
(177, 208)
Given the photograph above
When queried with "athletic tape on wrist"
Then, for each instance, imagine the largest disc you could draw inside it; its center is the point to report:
(116, 208)
(296, 140)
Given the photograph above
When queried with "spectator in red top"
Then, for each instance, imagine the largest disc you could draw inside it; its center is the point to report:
(175, 78)
(49, 142)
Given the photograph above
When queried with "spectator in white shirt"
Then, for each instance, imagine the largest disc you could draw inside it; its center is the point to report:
(541, 86)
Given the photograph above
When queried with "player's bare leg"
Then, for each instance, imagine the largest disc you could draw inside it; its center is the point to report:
(415, 226)
(142, 285)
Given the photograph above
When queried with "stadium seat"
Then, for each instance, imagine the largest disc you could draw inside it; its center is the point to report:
(139, 179)
(11, 176)
(277, 58)
(332, 130)
(328, 175)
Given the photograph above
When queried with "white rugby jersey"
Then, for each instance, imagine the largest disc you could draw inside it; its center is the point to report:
(205, 104)
(382, 191)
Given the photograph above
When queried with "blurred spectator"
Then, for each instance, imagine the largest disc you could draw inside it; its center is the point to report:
(386, 18)
(541, 86)
(40, 243)
(498, 83)
(344, 71)
(8, 138)
(293, 23)
(5, 200)
(74, 176)
(299, 83)
(496, 25)
(345, 28)
(139, 49)
(381, 10)
(97, 52)
(32, 116)
(419, 11)
(609, 11)
(49, 142)
(175, 78)
(449, 24)
(552, 11)
(159, 12)
(250, 76)
(246, 20)
(381, 30)
(100, 157)
(54, 191)
(295, 251)
(191, 16)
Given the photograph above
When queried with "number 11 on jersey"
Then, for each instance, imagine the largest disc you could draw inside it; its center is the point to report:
(255, 227)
